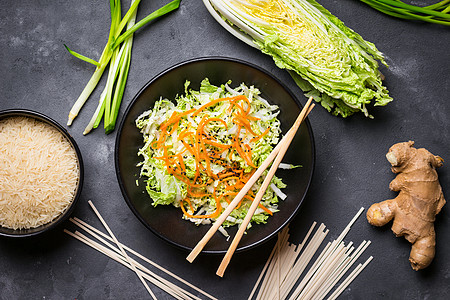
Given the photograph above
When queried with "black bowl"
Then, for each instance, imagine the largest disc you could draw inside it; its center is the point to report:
(166, 221)
(62, 217)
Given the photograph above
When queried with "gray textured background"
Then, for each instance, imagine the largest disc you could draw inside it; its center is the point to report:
(351, 170)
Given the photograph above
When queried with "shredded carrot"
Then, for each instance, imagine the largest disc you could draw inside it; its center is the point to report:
(225, 175)
(261, 135)
(212, 102)
(184, 133)
(239, 107)
(181, 162)
(242, 121)
(174, 127)
(166, 124)
(249, 151)
(215, 144)
(189, 203)
(207, 149)
(230, 178)
(265, 209)
(192, 194)
(247, 102)
(241, 152)
(216, 120)
(175, 118)
(252, 118)
(212, 216)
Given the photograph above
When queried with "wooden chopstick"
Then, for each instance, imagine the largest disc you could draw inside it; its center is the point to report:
(201, 244)
(262, 190)
(124, 253)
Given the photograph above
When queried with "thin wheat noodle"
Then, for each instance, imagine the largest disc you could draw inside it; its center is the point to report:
(138, 265)
(287, 263)
(121, 260)
(92, 230)
(350, 278)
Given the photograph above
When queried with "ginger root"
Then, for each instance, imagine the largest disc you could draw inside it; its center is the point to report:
(419, 200)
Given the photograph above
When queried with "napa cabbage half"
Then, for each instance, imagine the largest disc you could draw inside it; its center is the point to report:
(327, 60)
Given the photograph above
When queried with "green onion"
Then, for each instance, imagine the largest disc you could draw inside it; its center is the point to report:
(162, 11)
(82, 57)
(116, 54)
(438, 13)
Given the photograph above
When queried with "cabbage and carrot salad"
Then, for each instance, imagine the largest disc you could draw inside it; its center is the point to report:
(200, 150)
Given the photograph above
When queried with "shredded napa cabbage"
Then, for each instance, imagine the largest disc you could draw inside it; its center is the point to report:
(172, 171)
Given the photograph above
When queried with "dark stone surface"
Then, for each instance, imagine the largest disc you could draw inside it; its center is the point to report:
(351, 169)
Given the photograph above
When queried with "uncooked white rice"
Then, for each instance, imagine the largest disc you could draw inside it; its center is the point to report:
(38, 173)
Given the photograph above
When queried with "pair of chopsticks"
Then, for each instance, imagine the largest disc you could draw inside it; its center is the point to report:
(276, 156)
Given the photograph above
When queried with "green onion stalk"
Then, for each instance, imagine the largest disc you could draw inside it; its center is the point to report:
(116, 54)
(438, 13)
